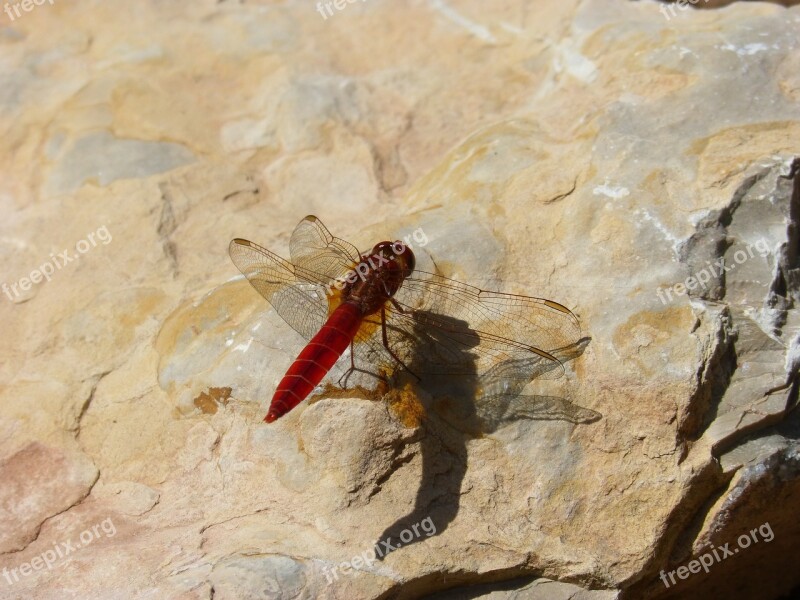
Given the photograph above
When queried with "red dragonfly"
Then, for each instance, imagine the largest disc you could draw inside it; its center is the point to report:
(391, 315)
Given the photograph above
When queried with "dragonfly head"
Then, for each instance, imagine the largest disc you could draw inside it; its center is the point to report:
(399, 252)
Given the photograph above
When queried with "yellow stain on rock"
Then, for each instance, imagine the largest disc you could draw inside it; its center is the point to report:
(209, 401)
(404, 404)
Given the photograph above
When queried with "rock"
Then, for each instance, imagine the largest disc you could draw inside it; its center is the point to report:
(39, 482)
(638, 166)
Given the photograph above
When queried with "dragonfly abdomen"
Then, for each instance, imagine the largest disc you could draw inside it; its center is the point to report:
(316, 359)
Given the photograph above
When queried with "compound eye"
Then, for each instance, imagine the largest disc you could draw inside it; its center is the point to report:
(385, 247)
(411, 261)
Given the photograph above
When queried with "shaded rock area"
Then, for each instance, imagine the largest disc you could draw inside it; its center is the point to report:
(643, 171)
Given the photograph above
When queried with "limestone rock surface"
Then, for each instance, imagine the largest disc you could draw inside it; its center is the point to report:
(639, 168)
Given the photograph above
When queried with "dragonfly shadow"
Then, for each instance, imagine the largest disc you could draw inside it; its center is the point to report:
(500, 401)
(464, 405)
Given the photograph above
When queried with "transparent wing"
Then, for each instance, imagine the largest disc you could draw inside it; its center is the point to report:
(508, 378)
(500, 398)
(445, 327)
(535, 322)
(297, 295)
(312, 247)
(511, 329)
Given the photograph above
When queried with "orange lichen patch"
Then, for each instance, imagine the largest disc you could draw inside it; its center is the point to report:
(330, 390)
(209, 401)
(405, 405)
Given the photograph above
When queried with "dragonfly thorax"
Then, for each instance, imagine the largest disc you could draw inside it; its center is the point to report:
(381, 273)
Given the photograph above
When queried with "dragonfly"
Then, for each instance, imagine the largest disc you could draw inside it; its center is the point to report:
(392, 316)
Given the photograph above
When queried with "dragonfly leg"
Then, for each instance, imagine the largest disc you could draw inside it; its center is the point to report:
(353, 368)
(342, 383)
(343, 379)
(386, 344)
(396, 304)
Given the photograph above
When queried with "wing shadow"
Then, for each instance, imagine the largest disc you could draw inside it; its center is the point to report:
(465, 406)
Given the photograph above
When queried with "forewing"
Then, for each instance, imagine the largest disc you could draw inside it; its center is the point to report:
(313, 247)
(295, 294)
(518, 331)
